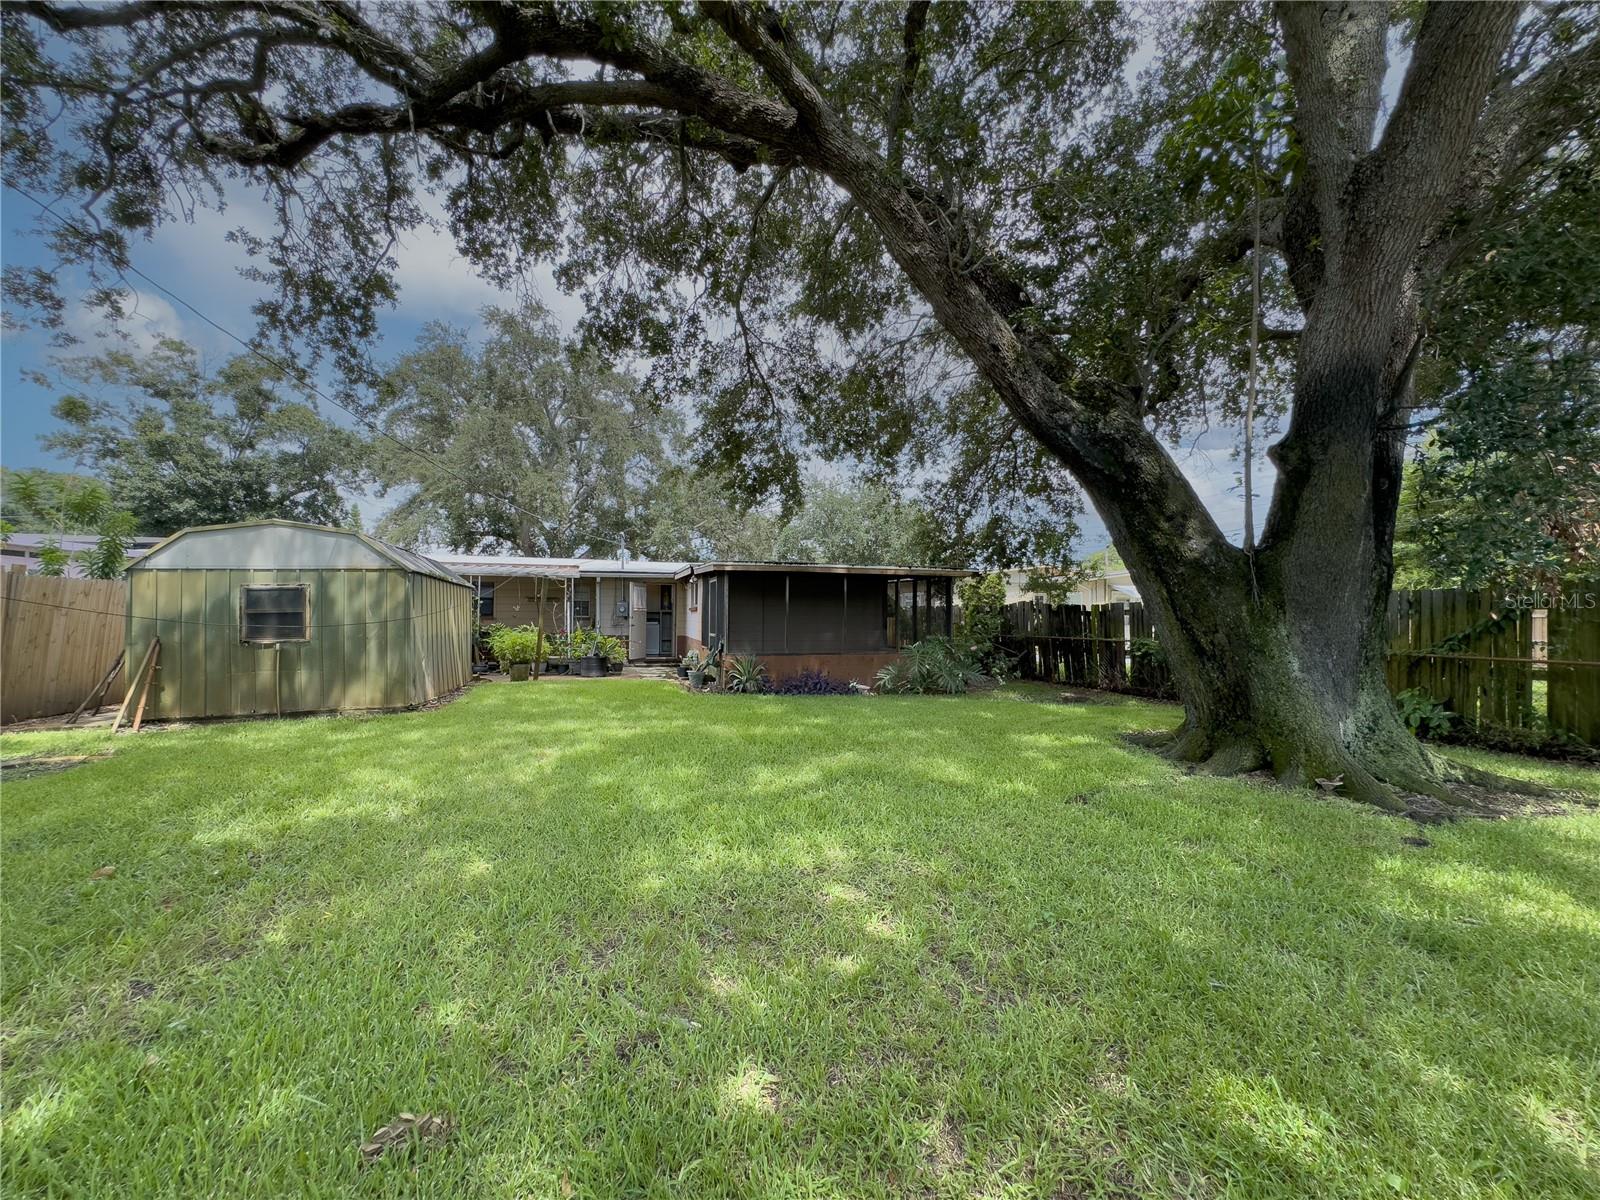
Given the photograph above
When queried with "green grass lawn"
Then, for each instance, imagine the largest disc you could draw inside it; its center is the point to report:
(635, 942)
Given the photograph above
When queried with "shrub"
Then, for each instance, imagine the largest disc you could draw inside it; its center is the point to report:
(983, 614)
(581, 643)
(747, 675)
(812, 683)
(1423, 715)
(934, 664)
(1541, 743)
(521, 644)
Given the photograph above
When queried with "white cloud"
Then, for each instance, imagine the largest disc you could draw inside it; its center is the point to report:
(146, 319)
(436, 282)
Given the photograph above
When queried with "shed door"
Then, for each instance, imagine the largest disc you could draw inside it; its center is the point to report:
(638, 601)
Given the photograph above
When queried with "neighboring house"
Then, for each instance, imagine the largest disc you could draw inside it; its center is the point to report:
(22, 549)
(1110, 587)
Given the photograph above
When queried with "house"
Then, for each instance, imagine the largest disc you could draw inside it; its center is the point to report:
(1107, 587)
(266, 617)
(634, 599)
(22, 549)
(846, 621)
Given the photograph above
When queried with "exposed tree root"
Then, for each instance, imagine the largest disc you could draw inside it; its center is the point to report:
(1234, 756)
(1402, 779)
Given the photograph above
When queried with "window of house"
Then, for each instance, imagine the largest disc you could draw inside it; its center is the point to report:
(485, 600)
(694, 593)
(580, 608)
(272, 613)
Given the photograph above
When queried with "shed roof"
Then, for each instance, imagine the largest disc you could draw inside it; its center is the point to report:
(280, 544)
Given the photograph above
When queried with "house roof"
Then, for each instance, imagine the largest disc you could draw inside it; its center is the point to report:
(799, 568)
(559, 568)
(319, 552)
(75, 541)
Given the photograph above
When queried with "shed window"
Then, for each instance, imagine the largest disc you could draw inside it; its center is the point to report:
(274, 613)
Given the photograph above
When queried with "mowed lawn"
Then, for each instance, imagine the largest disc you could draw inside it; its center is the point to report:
(633, 942)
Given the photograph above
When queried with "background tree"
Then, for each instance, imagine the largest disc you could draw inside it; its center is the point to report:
(520, 442)
(181, 447)
(877, 201)
(1504, 490)
(860, 522)
(695, 512)
(43, 491)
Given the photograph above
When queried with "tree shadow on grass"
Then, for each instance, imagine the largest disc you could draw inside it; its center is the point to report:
(839, 946)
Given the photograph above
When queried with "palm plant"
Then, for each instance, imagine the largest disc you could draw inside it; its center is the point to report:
(747, 675)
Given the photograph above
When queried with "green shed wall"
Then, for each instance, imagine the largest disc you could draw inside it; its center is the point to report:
(380, 638)
(442, 631)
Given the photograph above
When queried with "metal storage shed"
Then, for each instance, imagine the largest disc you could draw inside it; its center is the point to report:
(268, 617)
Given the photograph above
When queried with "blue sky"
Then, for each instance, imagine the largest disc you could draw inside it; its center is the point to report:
(200, 266)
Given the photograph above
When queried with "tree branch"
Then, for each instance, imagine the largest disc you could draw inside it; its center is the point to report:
(1407, 182)
(916, 21)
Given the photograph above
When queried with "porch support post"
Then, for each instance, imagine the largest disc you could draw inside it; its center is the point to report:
(844, 615)
(786, 614)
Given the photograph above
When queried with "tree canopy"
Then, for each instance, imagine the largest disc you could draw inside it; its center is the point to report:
(520, 442)
(57, 504)
(179, 445)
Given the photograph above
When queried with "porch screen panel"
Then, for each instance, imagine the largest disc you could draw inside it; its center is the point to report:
(937, 623)
(772, 605)
(864, 624)
(711, 603)
(906, 613)
(816, 613)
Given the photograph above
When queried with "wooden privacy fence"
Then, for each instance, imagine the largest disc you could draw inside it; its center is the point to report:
(1475, 652)
(1482, 656)
(1104, 646)
(57, 637)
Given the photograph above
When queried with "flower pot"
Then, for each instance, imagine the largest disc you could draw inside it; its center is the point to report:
(518, 672)
(697, 679)
(592, 666)
(683, 672)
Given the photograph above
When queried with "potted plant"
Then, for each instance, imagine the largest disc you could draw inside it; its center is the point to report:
(689, 662)
(614, 652)
(558, 647)
(516, 649)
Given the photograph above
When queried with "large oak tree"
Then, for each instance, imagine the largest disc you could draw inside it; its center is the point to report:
(840, 180)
